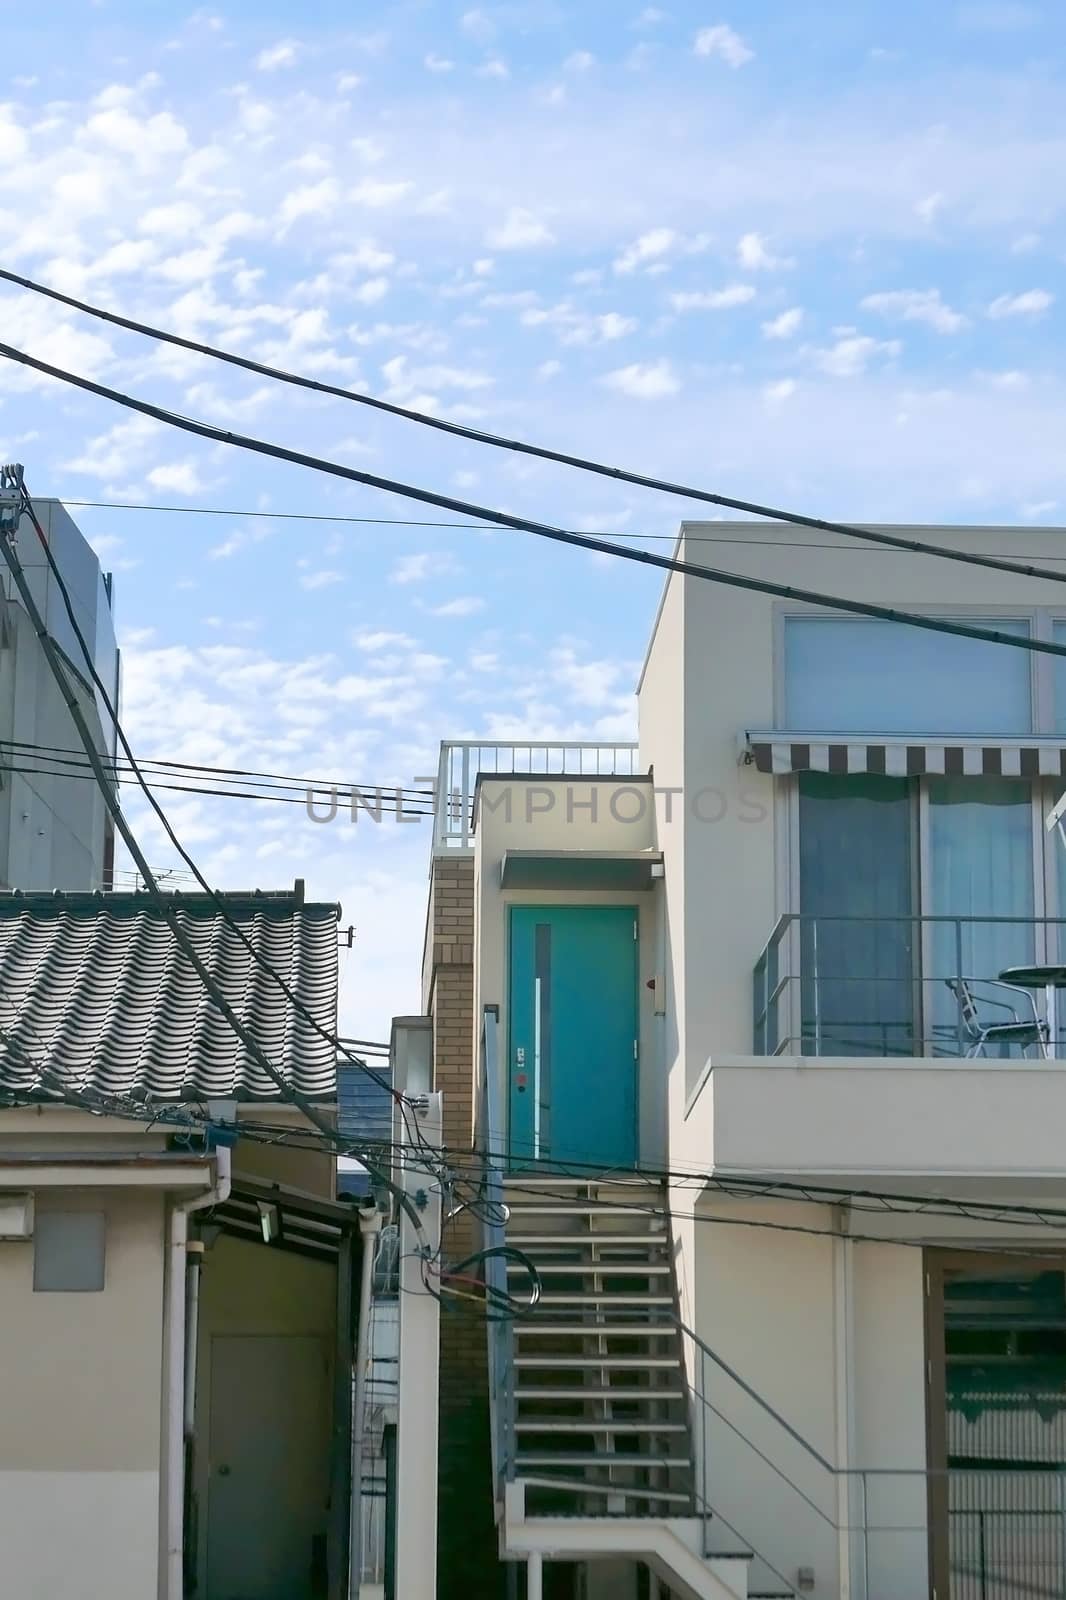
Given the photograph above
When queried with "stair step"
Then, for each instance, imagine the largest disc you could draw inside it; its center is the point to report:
(594, 1330)
(588, 1208)
(603, 1297)
(600, 1459)
(541, 1178)
(607, 1269)
(602, 1241)
(578, 1486)
(581, 1392)
(603, 1361)
(594, 1425)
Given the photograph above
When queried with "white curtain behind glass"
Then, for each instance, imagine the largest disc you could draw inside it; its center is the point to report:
(980, 867)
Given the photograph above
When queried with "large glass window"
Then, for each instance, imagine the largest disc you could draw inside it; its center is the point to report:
(981, 873)
(849, 675)
(906, 886)
(856, 935)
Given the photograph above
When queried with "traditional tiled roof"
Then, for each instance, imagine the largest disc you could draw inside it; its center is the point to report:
(95, 988)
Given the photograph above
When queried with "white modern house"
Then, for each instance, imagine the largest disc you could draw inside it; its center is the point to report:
(55, 832)
(763, 1042)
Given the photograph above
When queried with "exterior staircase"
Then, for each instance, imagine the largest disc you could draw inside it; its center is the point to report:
(599, 1410)
(601, 1447)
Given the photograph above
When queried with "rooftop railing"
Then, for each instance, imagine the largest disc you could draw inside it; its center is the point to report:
(889, 986)
(462, 761)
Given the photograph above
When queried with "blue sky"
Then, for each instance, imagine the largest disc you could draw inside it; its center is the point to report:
(796, 253)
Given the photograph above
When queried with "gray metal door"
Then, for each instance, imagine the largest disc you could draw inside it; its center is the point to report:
(269, 1468)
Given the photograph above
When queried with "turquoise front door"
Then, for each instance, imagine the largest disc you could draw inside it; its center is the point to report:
(573, 1035)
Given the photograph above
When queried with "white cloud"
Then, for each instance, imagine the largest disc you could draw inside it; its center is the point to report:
(347, 81)
(495, 68)
(651, 246)
(147, 140)
(852, 353)
(381, 639)
(734, 294)
(725, 43)
(917, 305)
(775, 394)
(312, 200)
(648, 18)
(322, 579)
(463, 606)
(114, 454)
(928, 208)
(1030, 303)
(478, 24)
(413, 569)
(549, 369)
(575, 326)
(180, 477)
(1025, 244)
(785, 325)
(655, 381)
(434, 63)
(520, 230)
(378, 194)
(171, 220)
(282, 54)
(240, 539)
(370, 292)
(753, 255)
(580, 61)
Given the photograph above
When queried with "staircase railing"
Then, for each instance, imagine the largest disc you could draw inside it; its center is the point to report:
(492, 1141)
(891, 1533)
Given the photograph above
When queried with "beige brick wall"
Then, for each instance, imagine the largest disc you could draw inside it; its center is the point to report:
(468, 1566)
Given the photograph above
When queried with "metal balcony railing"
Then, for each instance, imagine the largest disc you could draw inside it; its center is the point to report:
(462, 761)
(883, 986)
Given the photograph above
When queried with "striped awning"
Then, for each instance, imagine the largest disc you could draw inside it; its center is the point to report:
(904, 756)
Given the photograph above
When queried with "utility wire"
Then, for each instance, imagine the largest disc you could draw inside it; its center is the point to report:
(649, 558)
(288, 1090)
(418, 522)
(197, 767)
(266, 966)
(561, 458)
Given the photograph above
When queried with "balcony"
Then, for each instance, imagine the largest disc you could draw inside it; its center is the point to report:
(864, 1066)
(463, 761)
(890, 986)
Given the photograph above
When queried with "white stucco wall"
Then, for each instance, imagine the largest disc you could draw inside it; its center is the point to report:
(80, 1437)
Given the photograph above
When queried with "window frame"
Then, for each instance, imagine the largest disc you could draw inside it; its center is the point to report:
(1041, 673)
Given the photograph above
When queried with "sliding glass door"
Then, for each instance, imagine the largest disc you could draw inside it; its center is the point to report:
(857, 953)
(979, 870)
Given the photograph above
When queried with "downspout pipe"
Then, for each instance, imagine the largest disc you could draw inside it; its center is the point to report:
(370, 1220)
(176, 1355)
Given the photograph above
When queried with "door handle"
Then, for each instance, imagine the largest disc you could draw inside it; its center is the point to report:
(223, 1471)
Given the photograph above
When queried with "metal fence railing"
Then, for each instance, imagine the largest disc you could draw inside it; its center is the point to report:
(462, 761)
(991, 1529)
(885, 986)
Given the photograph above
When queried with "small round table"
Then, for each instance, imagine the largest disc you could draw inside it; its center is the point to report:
(1050, 978)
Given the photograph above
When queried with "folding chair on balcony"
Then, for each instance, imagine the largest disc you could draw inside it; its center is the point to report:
(979, 1033)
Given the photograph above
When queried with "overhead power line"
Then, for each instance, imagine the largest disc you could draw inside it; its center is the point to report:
(469, 527)
(559, 457)
(62, 762)
(165, 905)
(506, 519)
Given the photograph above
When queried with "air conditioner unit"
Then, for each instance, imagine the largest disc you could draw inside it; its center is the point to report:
(16, 1216)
